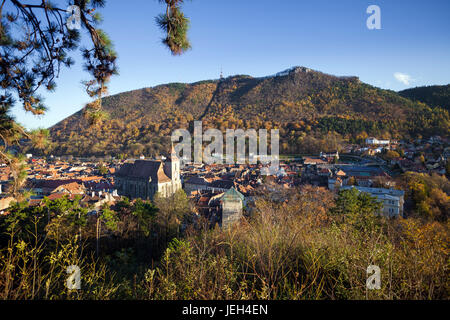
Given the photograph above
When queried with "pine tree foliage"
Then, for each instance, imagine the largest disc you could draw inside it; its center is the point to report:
(176, 26)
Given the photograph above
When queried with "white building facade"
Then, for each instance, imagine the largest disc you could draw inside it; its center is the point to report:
(391, 199)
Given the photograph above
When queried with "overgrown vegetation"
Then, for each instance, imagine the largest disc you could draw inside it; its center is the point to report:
(427, 194)
(307, 246)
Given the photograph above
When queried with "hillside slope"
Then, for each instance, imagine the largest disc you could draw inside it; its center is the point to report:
(314, 111)
(434, 96)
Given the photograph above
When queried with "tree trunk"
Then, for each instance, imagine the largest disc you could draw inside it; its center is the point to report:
(98, 235)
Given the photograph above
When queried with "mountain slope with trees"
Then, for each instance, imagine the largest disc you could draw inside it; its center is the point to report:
(434, 96)
(313, 110)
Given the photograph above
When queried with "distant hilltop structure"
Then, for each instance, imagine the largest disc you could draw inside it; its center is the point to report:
(300, 69)
(293, 70)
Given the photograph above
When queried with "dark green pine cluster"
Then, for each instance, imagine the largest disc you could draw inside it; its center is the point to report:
(176, 26)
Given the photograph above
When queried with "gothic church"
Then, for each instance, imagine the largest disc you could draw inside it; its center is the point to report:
(144, 178)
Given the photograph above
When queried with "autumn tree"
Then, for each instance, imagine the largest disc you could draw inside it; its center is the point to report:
(357, 208)
(171, 213)
(145, 213)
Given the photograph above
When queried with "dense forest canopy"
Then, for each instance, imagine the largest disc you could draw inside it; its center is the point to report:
(434, 96)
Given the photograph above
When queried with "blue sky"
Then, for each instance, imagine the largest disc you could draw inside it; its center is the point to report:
(264, 37)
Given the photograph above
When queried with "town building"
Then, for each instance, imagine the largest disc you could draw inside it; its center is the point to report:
(330, 156)
(144, 178)
(232, 203)
(224, 208)
(195, 184)
(375, 141)
(391, 199)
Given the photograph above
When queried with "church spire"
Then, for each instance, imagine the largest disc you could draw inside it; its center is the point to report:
(173, 155)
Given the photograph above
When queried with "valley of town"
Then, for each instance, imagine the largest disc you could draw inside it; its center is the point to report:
(222, 192)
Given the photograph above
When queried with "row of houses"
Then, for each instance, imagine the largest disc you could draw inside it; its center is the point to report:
(343, 176)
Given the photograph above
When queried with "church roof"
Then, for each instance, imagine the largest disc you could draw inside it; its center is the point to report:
(197, 181)
(173, 154)
(144, 169)
(222, 184)
(233, 194)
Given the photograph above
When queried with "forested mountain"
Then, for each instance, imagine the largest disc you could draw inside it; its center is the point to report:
(434, 96)
(313, 110)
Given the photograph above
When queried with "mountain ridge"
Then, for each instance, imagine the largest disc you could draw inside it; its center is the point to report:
(313, 110)
(285, 72)
(434, 96)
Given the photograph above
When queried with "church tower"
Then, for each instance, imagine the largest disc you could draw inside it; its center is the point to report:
(172, 167)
